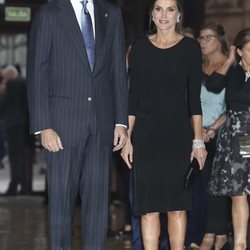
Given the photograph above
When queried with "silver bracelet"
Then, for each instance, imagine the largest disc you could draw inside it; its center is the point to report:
(198, 143)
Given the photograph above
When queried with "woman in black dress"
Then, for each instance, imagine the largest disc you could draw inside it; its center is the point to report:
(231, 171)
(164, 93)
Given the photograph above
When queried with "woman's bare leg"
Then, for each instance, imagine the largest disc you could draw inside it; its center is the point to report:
(150, 225)
(240, 214)
(177, 221)
(220, 241)
(207, 241)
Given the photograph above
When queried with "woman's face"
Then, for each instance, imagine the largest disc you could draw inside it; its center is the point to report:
(165, 14)
(244, 53)
(209, 42)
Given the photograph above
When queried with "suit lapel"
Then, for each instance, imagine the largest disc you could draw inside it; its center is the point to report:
(69, 21)
(101, 21)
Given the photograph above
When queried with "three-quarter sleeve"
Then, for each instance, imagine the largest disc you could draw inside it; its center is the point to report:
(134, 84)
(194, 81)
(216, 82)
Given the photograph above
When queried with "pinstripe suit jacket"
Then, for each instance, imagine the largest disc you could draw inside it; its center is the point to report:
(59, 78)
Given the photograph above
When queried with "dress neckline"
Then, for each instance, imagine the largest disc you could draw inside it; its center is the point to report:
(171, 47)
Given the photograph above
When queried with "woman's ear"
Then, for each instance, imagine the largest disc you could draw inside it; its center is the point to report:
(239, 52)
(152, 17)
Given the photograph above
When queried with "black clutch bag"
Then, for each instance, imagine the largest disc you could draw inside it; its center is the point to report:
(191, 174)
(244, 143)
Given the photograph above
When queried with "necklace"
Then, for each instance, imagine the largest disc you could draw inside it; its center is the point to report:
(210, 68)
(247, 73)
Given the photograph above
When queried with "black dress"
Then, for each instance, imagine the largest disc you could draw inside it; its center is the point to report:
(164, 92)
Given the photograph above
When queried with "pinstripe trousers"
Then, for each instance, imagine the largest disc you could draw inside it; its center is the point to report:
(83, 168)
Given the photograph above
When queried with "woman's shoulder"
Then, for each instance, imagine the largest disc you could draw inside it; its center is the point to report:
(192, 47)
(140, 42)
(191, 43)
(138, 45)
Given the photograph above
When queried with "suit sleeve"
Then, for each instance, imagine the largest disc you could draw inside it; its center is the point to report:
(38, 71)
(195, 73)
(119, 72)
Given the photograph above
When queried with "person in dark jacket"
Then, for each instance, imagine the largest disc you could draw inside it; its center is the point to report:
(14, 111)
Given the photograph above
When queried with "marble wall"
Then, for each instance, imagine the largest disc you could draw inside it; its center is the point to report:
(234, 16)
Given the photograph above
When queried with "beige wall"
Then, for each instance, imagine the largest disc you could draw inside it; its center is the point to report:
(232, 20)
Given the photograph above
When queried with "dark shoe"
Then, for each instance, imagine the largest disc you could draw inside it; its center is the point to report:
(23, 192)
(12, 189)
(122, 232)
(9, 193)
(112, 234)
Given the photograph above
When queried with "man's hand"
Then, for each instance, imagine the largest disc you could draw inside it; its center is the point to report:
(51, 140)
(120, 137)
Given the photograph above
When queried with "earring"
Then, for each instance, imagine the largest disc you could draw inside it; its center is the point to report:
(178, 19)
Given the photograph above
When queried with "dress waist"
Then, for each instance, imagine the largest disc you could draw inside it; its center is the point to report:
(239, 107)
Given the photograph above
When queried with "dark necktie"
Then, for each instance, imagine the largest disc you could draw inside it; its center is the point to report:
(88, 33)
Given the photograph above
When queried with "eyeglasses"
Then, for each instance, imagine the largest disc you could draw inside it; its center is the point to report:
(206, 38)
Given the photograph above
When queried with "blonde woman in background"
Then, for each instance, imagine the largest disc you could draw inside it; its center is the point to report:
(214, 47)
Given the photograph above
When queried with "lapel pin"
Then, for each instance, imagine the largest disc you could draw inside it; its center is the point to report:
(106, 15)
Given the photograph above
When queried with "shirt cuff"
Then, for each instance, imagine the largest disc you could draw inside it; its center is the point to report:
(122, 125)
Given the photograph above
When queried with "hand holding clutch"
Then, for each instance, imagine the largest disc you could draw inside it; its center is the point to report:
(191, 174)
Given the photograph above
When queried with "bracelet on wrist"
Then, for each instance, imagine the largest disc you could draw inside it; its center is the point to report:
(198, 143)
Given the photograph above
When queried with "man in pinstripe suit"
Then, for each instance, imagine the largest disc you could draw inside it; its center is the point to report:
(80, 110)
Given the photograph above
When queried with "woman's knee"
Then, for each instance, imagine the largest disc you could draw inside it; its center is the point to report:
(150, 216)
(177, 214)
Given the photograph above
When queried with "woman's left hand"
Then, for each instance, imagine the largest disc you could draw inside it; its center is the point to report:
(211, 133)
(200, 154)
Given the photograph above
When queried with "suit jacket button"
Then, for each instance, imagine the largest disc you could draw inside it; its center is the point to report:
(89, 99)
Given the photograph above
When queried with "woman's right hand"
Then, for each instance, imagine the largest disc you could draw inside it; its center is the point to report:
(205, 136)
(232, 55)
(127, 153)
